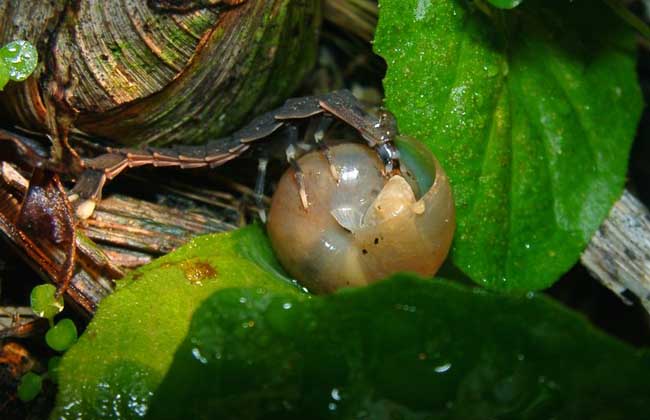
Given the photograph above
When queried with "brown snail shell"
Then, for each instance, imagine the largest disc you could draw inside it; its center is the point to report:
(159, 71)
(365, 227)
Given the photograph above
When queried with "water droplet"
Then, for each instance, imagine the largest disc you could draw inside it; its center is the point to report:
(618, 91)
(491, 69)
(198, 356)
(442, 368)
(405, 308)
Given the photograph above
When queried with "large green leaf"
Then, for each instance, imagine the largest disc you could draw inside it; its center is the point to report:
(123, 355)
(402, 349)
(531, 111)
(258, 347)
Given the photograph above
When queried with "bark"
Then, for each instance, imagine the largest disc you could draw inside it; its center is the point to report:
(159, 72)
(618, 255)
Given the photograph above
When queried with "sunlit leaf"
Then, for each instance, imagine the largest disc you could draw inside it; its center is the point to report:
(126, 350)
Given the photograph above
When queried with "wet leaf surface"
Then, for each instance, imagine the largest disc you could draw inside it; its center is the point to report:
(123, 355)
(405, 348)
(20, 57)
(531, 112)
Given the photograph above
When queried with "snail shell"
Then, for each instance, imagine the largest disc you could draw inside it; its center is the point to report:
(365, 227)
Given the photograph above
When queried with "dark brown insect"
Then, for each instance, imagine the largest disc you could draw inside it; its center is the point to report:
(279, 123)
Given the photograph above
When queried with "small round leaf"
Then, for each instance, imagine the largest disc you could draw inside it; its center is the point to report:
(62, 335)
(21, 58)
(30, 386)
(44, 301)
(53, 368)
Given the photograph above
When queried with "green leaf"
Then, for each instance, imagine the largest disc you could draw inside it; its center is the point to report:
(505, 4)
(53, 368)
(532, 113)
(61, 336)
(405, 348)
(4, 75)
(21, 58)
(44, 301)
(29, 387)
(124, 353)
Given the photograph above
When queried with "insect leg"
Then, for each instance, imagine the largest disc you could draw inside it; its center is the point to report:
(290, 152)
(324, 123)
(260, 182)
(378, 132)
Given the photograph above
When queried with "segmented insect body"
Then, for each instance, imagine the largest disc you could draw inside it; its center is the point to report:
(281, 122)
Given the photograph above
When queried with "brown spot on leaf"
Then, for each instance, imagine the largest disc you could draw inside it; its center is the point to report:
(197, 270)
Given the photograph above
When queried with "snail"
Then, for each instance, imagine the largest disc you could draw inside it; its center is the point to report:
(363, 226)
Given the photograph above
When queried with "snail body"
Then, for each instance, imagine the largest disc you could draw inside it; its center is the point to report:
(364, 226)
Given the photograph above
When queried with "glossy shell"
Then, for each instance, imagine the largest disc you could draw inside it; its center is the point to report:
(365, 227)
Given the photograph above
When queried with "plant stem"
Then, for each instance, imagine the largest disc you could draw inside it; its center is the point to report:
(630, 18)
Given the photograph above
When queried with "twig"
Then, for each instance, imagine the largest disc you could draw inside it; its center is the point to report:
(619, 253)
